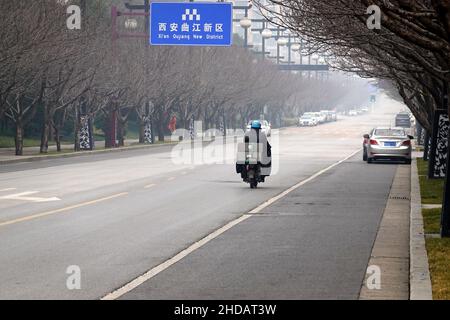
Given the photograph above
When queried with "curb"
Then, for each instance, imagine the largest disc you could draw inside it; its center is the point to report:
(93, 152)
(420, 280)
(81, 153)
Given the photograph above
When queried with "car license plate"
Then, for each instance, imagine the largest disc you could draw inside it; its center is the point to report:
(390, 144)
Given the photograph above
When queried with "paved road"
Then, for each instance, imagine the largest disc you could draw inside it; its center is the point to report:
(117, 216)
(314, 243)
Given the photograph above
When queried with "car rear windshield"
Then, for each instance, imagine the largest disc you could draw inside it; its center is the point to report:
(389, 132)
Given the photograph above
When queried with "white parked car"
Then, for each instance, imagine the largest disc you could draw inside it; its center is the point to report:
(353, 113)
(312, 115)
(307, 120)
(321, 118)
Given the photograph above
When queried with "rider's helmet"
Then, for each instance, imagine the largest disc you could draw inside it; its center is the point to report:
(256, 124)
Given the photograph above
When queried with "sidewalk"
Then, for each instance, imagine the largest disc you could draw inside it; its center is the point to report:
(390, 252)
(399, 249)
(7, 155)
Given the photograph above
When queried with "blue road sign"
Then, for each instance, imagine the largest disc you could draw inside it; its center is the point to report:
(191, 24)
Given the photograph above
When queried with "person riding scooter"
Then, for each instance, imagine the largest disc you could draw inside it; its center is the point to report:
(254, 161)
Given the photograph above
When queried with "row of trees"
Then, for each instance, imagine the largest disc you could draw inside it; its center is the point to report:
(61, 74)
(410, 52)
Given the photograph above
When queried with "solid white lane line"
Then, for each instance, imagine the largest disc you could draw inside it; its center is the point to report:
(171, 179)
(7, 189)
(149, 186)
(160, 268)
(153, 272)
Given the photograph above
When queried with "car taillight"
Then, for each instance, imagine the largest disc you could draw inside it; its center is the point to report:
(406, 143)
(373, 142)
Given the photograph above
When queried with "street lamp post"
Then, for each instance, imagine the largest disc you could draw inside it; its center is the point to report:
(316, 59)
(245, 23)
(289, 44)
(130, 24)
(265, 34)
(296, 47)
(281, 42)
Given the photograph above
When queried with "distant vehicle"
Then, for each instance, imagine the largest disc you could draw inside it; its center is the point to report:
(313, 115)
(331, 115)
(266, 127)
(403, 119)
(327, 115)
(307, 120)
(387, 144)
(321, 118)
(365, 109)
(353, 113)
(334, 116)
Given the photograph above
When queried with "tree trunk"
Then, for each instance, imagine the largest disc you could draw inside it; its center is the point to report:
(110, 130)
(19, 138)
(45, 133)
(107, 132)
(161, 130)
(121, 133)
(57, 139)
(160, 123)
(141, 131)
(77, 132)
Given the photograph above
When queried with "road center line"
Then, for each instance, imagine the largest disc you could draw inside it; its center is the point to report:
(197, 245)
(48, 213)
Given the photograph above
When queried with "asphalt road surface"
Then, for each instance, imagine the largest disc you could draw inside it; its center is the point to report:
(116, 216)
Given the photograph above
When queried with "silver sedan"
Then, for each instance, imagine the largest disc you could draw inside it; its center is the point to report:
(387, 144)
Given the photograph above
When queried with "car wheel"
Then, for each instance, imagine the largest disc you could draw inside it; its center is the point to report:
(408, 161)
(369, 160)
(365, 155)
